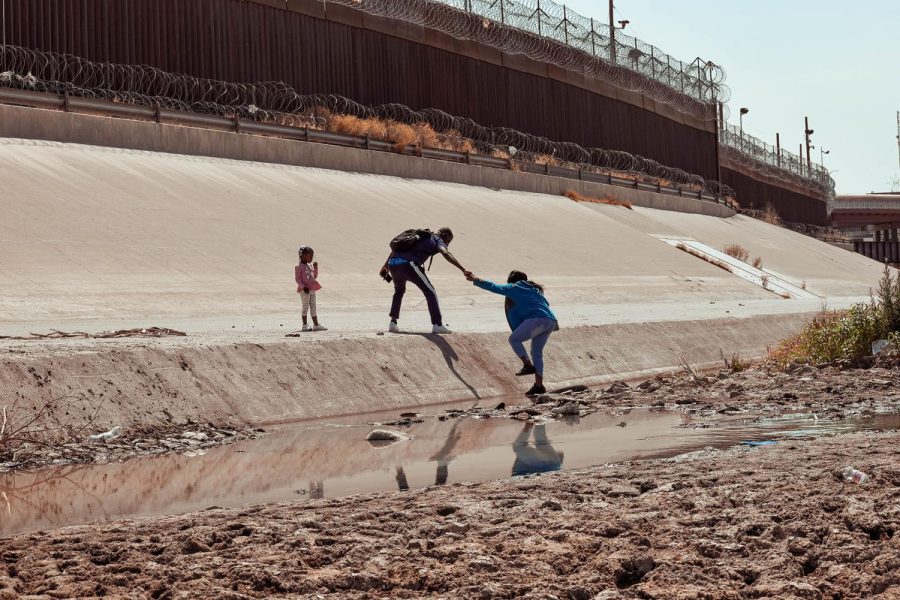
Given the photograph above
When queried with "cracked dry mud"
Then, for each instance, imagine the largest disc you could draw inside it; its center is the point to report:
(767, 522)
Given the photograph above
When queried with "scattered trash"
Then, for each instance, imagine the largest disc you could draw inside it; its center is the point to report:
(195, 435)
(852, 475)
(106, 435)
(882, 347)
(570, 408)
(136, 332)
(760, 443)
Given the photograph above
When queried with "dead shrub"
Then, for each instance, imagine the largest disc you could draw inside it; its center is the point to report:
(734, 364)
(578, 197)
(401, 134)
(426, 135)
(757, 263)
(546, 159)
(737, 251)
(770, 215)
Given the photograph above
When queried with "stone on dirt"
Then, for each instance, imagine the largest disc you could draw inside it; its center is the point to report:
(385, 435)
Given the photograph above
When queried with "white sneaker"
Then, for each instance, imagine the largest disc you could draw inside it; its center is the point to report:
(319, 328)
(440, 329)
(306, 328)
(393, 327)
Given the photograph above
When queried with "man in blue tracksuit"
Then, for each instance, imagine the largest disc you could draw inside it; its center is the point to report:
(409, 266)
(530, 318)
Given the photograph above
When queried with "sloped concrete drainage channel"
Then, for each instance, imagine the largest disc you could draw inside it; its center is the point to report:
(318, 459)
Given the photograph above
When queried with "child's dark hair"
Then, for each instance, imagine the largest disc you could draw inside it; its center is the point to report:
(517, 276)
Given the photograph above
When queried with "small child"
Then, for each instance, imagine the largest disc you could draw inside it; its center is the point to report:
(305, 274)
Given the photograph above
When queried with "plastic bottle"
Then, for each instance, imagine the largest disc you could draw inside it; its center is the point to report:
(852, 475)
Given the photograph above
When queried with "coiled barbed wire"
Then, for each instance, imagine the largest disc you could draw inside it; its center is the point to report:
(552, 33)
(755, 155)
(277, 102)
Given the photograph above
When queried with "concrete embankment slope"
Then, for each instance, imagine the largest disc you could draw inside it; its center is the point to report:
(96, 238)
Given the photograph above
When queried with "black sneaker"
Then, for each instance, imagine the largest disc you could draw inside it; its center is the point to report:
(527, 370)
(536, 390)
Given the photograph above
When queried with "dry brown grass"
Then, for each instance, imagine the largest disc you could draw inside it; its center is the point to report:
(737, 251)
(701, 256)
(757, 263)
(546, 159)
(770, 215)
(578, 197)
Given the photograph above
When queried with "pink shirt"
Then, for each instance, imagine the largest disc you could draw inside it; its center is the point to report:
(305, 275)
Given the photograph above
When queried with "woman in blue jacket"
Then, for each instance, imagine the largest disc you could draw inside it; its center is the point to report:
(530, 318)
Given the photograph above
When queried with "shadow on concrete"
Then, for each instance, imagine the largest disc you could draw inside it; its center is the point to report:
(450, 355)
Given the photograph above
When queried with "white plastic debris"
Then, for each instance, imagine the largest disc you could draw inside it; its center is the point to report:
(195, 435)
(106, 435)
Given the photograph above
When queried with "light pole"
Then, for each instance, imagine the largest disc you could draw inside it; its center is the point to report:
(808, 132)
(822, 153)
(743, 112)
(612, 32)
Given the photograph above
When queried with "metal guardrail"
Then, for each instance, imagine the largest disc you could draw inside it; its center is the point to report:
(239, 125)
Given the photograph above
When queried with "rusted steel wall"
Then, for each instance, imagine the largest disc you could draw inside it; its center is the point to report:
(235, 40)
(791, 206)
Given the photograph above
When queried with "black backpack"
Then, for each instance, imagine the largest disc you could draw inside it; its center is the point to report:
(409, 238)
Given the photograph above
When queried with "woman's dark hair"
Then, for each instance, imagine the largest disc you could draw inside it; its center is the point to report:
(517, 276)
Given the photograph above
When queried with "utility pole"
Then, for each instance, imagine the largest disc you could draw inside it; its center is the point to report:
(898, 137)
(807, 132)
(612, 34)
(778, 148)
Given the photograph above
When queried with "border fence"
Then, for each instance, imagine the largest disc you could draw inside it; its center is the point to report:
(553, 33)
(540, 29)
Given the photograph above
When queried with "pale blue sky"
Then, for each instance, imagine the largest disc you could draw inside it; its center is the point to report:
(836, 62)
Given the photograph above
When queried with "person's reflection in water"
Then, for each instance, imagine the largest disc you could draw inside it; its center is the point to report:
(539, 458)
(316, 490)
(401, 480)
(445, 456)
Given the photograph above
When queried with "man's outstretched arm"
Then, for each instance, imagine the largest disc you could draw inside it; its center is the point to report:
(452, 260)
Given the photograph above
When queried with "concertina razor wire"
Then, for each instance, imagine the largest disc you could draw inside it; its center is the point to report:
(277, 102)
(552, 33)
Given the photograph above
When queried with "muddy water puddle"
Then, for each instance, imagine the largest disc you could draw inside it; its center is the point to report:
(322, 459)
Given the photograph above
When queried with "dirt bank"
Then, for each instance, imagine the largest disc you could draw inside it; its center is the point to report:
(763, 522)
(270, 379)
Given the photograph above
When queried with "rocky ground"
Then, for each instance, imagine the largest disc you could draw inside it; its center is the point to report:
(834, 391)
(767, 522)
